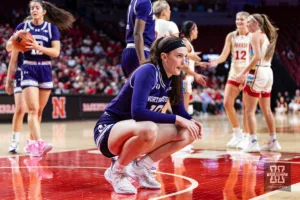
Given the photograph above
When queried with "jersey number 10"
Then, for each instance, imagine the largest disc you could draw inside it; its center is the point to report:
(155, 108)
(36, 52)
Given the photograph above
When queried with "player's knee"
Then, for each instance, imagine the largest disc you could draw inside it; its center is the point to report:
(186, 136)
(249, 112)
(149, 132)
(33, 110)
(20, 110)
(269, 111)
(228, 103)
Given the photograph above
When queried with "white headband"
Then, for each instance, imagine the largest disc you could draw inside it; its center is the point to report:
(253, 19)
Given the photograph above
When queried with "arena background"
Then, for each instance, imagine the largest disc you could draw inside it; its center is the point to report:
(87, 75)
(89, 64)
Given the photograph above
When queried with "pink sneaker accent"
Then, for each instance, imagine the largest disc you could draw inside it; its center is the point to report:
(26, 148)
(33, 148)
(38, 148)
(44, 147)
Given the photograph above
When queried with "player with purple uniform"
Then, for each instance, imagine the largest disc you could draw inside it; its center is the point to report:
(36, 73)
(133, 120)
(140, 34)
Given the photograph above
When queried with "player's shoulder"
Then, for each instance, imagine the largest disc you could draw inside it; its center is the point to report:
(147, 68)
(172, 23)
(146, 71)
(52, 25)
(143, 2)
(232, 34)
(20, 26)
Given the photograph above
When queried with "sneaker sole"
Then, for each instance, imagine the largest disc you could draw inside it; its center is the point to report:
(47, 150)
(108, 179)
(43, 153)
(136, 177)
(13, 151)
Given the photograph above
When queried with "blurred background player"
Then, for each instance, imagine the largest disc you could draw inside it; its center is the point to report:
(260, 79)
(189, 32)
(20, 106)
(140, 34)
(163, 25)
(36, 69)
(238, 44)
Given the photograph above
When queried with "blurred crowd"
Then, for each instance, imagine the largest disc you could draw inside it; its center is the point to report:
(89, 62)
(287, 103)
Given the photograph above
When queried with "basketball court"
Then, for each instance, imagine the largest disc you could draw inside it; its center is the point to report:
(74, 168)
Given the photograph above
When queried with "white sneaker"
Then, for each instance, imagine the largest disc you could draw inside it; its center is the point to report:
(244, 143)
(120, 182)
(253, 147)
(143, 175)
(234, 142)
(271, 146)
(13, 147)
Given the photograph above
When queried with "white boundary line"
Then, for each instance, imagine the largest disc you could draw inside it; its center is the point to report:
(52, 152)
(194, 183)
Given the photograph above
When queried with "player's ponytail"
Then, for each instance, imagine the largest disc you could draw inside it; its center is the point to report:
(61, 18)
(186, 29)
(271, 32)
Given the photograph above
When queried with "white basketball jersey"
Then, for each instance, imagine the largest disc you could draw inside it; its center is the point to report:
(165, 28)
(240, 51)
(190, 62)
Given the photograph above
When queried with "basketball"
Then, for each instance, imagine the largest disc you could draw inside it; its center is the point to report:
(20, 39)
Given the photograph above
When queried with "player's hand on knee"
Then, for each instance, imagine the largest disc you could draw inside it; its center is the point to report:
(200, 133)
(189, 125)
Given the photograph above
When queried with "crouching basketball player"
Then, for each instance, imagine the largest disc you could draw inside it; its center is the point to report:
(133, 124)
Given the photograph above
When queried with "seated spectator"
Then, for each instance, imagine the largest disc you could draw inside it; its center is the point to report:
(207, 101)
(282, 107)
(197, 101)
(219, 102)
(295, 103)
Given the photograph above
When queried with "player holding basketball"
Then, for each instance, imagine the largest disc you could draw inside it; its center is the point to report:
(237, 43)
(140, 35)
(259, 79)
(133, 124)
(36, 72)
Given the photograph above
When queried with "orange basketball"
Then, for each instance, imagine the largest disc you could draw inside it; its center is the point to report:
(20, 39)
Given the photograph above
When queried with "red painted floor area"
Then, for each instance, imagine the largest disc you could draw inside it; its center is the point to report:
(78, 175)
